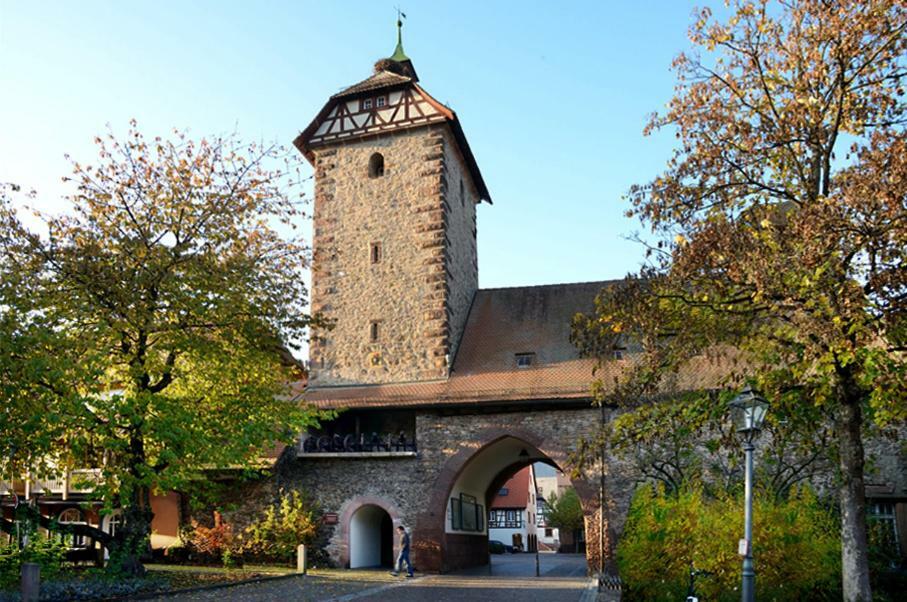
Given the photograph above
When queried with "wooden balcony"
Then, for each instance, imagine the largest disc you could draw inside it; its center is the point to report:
(74, 482)
(353, 446)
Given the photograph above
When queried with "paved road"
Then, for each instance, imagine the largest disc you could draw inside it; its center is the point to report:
(550, 565)
(512, 579)
(458, 588)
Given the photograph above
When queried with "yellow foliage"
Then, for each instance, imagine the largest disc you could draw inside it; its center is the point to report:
(796, 547)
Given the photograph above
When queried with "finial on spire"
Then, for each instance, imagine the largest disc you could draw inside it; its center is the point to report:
(399, 55)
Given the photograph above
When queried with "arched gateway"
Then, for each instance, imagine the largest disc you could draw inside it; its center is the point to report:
(443, 386)
(479, 473)
(366, 533)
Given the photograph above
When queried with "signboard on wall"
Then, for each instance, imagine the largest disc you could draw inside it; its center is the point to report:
(465, 514)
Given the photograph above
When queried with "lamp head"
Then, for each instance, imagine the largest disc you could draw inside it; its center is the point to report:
(748, 411)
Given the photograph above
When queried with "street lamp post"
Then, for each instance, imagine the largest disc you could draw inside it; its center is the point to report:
(748, 412)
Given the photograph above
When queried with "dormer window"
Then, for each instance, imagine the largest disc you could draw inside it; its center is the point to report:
(366, 104)
(380, 101)
(524, 360)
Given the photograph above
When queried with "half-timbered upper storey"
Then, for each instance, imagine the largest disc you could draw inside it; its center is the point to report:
(390, 100)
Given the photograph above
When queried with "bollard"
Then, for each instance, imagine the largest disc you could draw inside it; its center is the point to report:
(301, 560)
(536, 563)
(31, 582)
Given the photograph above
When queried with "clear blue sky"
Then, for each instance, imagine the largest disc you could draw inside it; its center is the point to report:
(552, 96)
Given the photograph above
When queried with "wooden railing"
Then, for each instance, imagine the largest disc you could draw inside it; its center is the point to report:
(351, 443)
(82, 480)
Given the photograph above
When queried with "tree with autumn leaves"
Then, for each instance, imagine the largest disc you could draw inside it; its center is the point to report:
(148, 331)
(781, 227)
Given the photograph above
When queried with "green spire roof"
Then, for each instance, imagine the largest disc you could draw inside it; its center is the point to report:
(399, 55)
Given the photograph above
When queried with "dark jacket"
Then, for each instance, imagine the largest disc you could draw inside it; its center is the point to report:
(404, 541)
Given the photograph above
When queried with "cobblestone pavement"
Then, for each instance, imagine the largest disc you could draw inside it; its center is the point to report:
(324, 585)
(512, 580)
(550, 565)
(454, 588)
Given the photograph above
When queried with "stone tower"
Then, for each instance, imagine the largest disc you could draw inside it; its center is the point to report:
(394, 265)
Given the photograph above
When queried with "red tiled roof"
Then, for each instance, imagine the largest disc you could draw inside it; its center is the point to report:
(505, 322)
(517, 491)
(502, 323)
(381, 79)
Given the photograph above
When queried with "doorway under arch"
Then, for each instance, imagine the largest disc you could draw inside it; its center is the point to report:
(477, 471)
(371, 538)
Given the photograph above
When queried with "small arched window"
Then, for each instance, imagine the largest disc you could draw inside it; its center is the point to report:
(112, 521)
(376, 165)
(70, 516)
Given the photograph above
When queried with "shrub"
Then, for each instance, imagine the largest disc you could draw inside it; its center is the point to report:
(100, 587)
(285, 525)
(48, 552)
(211, 543)
(796, 546)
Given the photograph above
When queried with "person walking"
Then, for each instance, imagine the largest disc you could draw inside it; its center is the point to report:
(403, 556)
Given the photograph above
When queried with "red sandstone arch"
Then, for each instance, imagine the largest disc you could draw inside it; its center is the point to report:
(430, 541)
(347, 511)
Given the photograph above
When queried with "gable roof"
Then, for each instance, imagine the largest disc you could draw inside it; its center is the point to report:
(502, 323)
(381, 79)
(535, 320)
(517, 491)
(505, 322)
(386, 79)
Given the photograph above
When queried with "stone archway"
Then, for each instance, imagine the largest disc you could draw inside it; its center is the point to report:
(437, 550)
(343, 541)
(371, 538)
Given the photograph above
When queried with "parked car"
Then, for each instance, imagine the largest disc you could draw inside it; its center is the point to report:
(496, 547)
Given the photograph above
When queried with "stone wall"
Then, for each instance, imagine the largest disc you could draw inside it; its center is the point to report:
(461, 253)
(418, 292)
(416, 488)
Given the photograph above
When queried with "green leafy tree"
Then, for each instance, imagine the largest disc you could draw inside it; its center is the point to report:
(782, 226)
(565, 512)
(687, 438)
(148, 331)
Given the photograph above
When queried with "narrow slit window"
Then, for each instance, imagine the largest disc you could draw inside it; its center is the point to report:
(374, 252)
(524, 360)
(373, 331)
(376, 165)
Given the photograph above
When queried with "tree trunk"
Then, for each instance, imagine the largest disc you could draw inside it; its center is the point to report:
(132, 541)
(854, 548)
